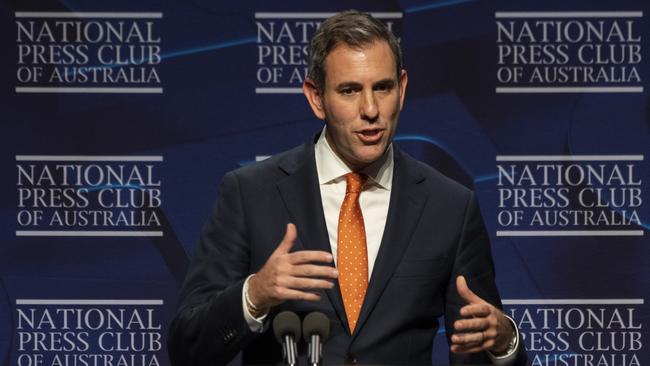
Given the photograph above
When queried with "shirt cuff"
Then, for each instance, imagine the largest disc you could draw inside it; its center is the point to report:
(509, 356)
(256, 325)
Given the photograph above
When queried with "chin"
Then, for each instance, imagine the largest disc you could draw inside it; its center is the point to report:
(368, 159)
(374, 152)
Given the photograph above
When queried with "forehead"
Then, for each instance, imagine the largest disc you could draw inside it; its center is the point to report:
(371, 62)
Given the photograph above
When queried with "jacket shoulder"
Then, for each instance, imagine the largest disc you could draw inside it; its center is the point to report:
(434, 179)
(276, 166)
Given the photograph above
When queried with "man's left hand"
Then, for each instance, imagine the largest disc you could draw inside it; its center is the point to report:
(482, 327)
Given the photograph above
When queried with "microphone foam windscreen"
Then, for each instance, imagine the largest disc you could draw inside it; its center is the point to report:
(286, 322)
(316, 323)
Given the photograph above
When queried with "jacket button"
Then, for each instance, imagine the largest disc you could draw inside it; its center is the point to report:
(229, 336)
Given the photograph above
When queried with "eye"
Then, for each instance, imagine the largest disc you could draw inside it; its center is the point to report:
(383, 87)
(349, 89)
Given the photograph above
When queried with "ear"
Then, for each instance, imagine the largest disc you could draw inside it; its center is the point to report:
(403, 80)
(314, 98)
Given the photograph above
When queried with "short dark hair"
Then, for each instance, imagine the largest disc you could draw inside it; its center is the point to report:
(352, 28)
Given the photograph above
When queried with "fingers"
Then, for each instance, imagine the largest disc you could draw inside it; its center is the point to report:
(312, 270)
(474, 337)
(290, 294)
(267, 291)
(464, 291)
(472, 348)
(307, 256)
(476, 310)
(305, 284)
(479, 333)
(471, 324)
(478, 329)
(474, 331)
(292, 288)
(307, 277)
(473, 341)
(290, 275)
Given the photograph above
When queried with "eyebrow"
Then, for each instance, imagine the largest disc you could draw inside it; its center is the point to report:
(348, 84)
(386, 83)
(353, 84)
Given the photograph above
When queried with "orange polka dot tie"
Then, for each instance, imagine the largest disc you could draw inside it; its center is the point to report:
(352, 253)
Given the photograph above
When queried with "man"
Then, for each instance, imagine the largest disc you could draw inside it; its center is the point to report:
(348, 225)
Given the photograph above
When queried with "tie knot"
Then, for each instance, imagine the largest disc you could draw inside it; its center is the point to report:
(354, 182)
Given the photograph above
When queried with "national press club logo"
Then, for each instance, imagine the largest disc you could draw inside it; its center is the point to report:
(589, 332)
(88, 52)
(569, 195)
(281, 47)
(74, 332)
(88, 196)
(569, 51)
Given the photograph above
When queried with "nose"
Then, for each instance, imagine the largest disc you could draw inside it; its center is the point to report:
(368, 109)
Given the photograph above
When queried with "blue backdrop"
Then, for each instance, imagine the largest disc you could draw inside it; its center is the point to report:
(119, 119)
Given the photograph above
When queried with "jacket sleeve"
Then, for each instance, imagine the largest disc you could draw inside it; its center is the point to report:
(474, 261)
(209, 327)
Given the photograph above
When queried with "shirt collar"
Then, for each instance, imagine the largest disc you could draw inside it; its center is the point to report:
(331, 168)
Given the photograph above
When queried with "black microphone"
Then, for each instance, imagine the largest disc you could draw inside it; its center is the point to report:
(286, 327)
(316, 330)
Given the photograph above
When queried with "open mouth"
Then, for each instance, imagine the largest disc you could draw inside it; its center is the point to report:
(370, 136)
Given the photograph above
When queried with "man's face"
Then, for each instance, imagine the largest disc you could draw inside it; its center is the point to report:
(361, 101)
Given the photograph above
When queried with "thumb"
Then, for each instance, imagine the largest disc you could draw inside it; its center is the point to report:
(289, 239)
(465, 292)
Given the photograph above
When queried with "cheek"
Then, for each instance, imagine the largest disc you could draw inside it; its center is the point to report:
(343, 113)
(391, 108)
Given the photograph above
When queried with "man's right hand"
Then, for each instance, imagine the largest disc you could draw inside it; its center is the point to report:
(291, 276)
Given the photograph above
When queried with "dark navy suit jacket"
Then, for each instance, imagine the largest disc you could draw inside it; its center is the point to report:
(433, 233)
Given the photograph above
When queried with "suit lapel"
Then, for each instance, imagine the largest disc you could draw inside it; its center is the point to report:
(300, 192)
(406, 202)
